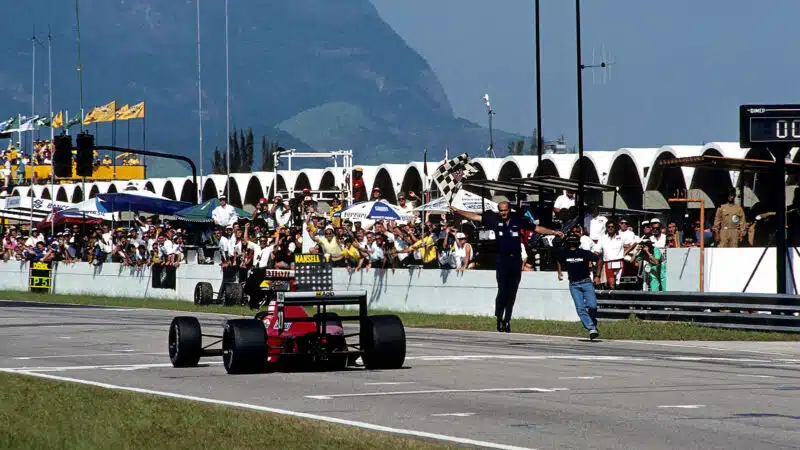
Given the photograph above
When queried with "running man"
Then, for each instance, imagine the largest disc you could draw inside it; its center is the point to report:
(576, 261)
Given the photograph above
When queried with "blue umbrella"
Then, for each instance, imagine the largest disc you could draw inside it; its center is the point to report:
(380, 210)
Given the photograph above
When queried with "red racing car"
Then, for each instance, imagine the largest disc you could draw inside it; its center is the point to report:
(286, 336)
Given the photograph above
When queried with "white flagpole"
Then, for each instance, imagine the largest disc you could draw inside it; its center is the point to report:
(227, 109)
(52, 130)
(199, 106)
(33, 114)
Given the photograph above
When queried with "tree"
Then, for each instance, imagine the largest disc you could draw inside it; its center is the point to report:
(268, 150)
(516, 147)
(241, 157)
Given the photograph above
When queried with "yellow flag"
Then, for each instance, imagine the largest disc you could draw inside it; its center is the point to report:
(123, 112)
(58, 120)
(136, 111)
(107, 112)
(91, 116)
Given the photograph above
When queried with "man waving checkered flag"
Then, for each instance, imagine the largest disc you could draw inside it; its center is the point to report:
(449, 176)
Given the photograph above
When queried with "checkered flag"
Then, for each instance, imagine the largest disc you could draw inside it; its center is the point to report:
(449, 176)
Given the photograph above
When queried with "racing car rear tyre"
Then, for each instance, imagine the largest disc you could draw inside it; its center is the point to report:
(203, 293)
(244, 346)
(185, 341)
(383, 341)
(233, 294)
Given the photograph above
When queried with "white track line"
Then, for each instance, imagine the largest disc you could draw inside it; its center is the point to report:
(524, 357)
(682, 406)
(364, 425)
(104, 367)
(579, 378)
(386, 383)
(453, 415)
(121, 353)
(432, 391)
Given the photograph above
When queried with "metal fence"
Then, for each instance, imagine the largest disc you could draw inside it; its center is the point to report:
(764, 312)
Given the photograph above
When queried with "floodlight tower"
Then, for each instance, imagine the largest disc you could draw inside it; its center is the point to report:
(490, 112)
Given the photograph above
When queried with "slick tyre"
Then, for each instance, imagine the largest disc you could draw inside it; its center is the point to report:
(244, 346)
(203, 293)
(185, 341)
(383, 341)
(233, 294)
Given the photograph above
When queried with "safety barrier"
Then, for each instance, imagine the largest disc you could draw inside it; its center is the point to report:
(432, 291)
(764, 312)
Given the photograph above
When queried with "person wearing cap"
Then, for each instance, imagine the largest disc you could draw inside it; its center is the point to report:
(729, 223)
(462, 253)
(507, 230)
(657, 236)
(336, 206)
(224, 215)
(576, 262)
(404, 205)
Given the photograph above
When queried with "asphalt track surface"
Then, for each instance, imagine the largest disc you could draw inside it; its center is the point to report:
(477, 389)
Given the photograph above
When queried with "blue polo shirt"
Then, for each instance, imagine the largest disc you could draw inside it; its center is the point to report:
(508, 236)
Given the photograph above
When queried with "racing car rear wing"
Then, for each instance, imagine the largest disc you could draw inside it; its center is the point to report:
(322, 300)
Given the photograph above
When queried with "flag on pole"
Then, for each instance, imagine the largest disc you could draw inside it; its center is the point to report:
(28, 125)
(135, 112)
(58, 120)
(91, 116)
(107, 112)
(123, 111)
(450, 175)
(41, 122)
(76, 119)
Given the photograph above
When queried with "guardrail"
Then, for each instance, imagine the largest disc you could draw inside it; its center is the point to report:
(763, 312)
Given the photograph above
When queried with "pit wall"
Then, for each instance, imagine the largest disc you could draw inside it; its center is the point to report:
(729, 269)
(540, 296)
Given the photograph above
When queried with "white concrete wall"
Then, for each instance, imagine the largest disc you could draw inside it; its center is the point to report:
(728, 270)
(540, 296)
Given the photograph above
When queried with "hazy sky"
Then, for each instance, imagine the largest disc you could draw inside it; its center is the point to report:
(682, 66)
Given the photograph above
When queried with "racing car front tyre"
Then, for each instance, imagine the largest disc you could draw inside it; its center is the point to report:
(383, 341)
(244, 346)
(203, 293)
(185, 341)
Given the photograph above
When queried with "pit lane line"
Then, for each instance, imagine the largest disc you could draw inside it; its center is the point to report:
(302, 415)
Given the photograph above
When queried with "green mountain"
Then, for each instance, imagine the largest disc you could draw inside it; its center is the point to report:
(312, 74)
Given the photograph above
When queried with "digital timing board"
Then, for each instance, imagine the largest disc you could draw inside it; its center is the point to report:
(769, 125)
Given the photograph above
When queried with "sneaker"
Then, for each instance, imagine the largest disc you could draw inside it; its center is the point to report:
(593, 334)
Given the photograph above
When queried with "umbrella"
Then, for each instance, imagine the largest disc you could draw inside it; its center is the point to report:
(143, 201)
(374, 210)
(463, 200)
(202, 212)
(69, 217)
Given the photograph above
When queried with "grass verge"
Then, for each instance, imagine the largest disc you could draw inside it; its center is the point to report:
(622, 329)
(43, 414)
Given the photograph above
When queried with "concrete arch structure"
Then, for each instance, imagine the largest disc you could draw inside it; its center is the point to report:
(99, 187)
(22, 191)
(562, 162)
(314, 177)
(65, 192)
(169, 190)
(389, 179)
(77, 195)
(213, 186)
(525, 165)
(39, 190)
(238, 182)
(413, 178)
(625, 173)
(662, 183)
(154, 185)
(332, 178)
(181, 186)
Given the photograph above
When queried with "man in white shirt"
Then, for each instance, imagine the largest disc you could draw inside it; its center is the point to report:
(224, 215)
(564, 201)
(626, 232)
(658, 238)
(611, 246)
(597, 226)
